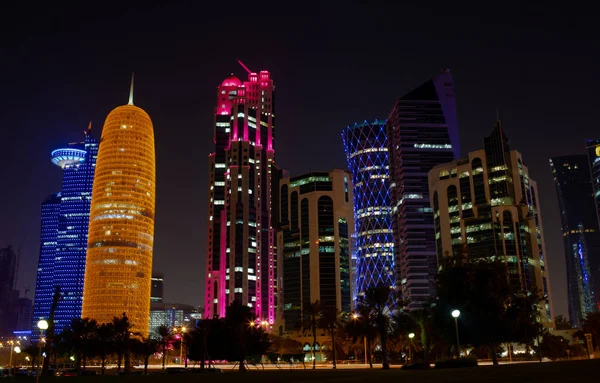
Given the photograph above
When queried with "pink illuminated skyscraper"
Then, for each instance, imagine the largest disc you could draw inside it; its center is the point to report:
(240, 259)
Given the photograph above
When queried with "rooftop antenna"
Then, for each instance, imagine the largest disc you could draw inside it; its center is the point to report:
(131, 91)
(245, 67)
(497, 114)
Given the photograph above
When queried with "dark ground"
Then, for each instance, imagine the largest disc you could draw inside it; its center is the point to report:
(572, 371)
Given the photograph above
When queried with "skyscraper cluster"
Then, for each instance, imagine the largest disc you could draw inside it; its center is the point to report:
(277, 243)
(97, 232)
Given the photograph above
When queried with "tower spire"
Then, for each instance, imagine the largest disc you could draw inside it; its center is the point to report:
(131, 91)
(89, 129)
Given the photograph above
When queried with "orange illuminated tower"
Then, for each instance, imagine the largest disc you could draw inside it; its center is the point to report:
(121, 231)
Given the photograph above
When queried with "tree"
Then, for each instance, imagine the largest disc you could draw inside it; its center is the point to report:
(164, 335)
(79, 339)
(122, 328)
(562, 323)
(32, 350)
(145, 348)
(329, 321)
(554, 346)
(378, 302)
(491, 310)
(362, 328)
(104, 344)
(418, 321)
(310, 322)
(237, 317)
(591, 325)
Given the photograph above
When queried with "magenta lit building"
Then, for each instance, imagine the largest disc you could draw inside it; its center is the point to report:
(240, 258)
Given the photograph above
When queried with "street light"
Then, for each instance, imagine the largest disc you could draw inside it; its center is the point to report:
(455, 315)
(43, 326)
(410, 336)
(18, 351)
(355, 317)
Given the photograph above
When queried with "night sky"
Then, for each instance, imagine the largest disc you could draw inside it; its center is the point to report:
(62, 66)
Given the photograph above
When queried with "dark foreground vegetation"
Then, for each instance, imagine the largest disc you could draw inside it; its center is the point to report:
(572, 371)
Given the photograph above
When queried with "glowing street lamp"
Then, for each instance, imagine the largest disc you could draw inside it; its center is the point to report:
(410, 336)
(43, 326)
(455, 315)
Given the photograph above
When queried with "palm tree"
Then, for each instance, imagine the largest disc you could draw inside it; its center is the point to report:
(80, 337)
(164, 337)
(122, 335)
(310, 322)
(361, 327)
(378, 303)
(145, 348)
(105, 342)
(330, 320)
(237, 318)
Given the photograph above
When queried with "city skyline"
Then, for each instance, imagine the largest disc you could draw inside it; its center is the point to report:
(507, 74)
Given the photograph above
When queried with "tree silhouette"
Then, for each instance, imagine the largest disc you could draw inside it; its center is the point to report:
(378, 303)
(361, 327)
(330, 320)
(164, 335)
(105, 344)
(122, 334)
(310, 322)
(145, 348)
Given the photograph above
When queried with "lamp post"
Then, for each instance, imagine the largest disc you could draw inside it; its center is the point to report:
(455, 315)
(355, 317)
(43, 326)
(10, 344)
(18, 351)
(410, 336)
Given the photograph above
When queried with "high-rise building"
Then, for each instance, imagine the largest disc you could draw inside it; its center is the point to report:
(593, 150)
(172, 315)
(8, 275)
(580, 233)
(488, 205)
(65, 219)
(313, 243)
(157, 288)
(367, 154)
(240, 259)
(44, 284)
(118, 271)
(422, 132)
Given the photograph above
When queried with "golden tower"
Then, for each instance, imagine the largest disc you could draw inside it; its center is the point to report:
(121, 232)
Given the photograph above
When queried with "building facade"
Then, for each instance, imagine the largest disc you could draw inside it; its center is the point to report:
(118, 271)
(172, 315)
(64, 234)
(422, 132)
(313, 244)
(240, 260)
(158, 287)
(8, 276)
(366, 150)
(488, 205)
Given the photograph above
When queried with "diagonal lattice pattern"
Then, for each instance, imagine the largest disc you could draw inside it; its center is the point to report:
(367, 154)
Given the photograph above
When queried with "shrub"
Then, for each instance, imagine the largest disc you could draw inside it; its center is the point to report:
(456, 363)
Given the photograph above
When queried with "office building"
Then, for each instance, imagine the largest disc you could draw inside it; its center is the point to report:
(157, 288)
(422, 132)
(62, 260)
(488, 204)
(240, 258)
(366, 149)
(44, 283)
(172, 315)
(8, 276)
(581, 236)
(118, 272)
(316, 224)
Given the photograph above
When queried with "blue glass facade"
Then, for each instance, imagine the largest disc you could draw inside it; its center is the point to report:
(65, 233)
(367, 154)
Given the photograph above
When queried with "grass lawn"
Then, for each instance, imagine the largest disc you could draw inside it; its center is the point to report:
(572, 371)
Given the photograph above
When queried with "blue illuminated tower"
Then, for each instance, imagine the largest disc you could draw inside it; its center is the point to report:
(64, 233)
(367, 154)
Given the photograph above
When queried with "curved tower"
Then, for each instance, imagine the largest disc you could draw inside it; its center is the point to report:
(367, 153)
(121, 232)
